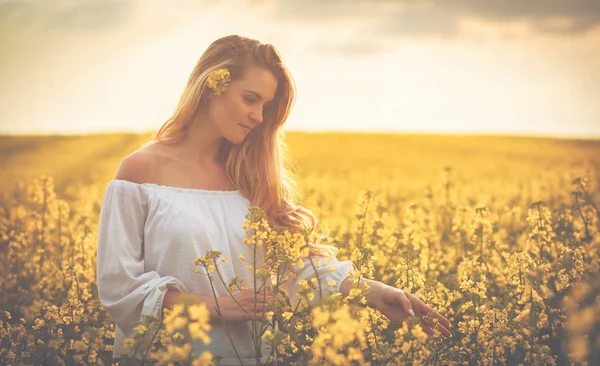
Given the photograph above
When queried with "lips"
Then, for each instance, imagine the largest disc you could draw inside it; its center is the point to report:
(246, 127)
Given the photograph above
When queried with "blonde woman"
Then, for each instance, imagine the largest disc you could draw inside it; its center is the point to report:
(189, 189)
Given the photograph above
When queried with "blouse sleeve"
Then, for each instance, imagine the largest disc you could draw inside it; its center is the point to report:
(125, 288)
(329, 272)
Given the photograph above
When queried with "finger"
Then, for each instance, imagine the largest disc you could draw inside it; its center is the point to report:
(259, 307)
(418, 304)
(265, 300)
(422, 309)
(250, 297)
(441, 320)
(266, 289)
(430, 331)
(404, 301)
(414, 321)
(260, 314)
(429, 326)
(265, 292)
(443, 330)
(435, 316)
(445, 322)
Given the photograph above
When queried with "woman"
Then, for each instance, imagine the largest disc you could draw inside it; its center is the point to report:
(189, 190)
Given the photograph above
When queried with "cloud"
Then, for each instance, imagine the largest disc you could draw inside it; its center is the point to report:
(396, 17)
(517, 9)
(373, 23)
(71, 15)
(419, 22)
(100, 16)
(440, 16)
(355, 48)
(348, 27)
(578, 16)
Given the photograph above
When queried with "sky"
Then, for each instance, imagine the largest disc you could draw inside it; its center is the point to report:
(407, 66)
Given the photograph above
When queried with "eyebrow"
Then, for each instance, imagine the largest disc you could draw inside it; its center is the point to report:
(258, 95)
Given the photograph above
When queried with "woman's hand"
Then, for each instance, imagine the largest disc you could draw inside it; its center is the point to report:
(396, 305)
(240, 307)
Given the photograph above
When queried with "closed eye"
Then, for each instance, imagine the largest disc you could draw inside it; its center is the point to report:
(251, 101)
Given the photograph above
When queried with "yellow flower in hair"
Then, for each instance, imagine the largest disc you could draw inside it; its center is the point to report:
(219, 81)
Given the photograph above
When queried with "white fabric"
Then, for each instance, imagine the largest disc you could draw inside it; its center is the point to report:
(148, 238)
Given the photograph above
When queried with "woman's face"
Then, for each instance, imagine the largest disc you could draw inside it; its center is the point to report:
(240, 109)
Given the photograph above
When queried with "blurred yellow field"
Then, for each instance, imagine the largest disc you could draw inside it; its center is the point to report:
(499, 234)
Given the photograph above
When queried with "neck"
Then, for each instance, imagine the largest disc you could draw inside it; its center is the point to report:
(202, 143)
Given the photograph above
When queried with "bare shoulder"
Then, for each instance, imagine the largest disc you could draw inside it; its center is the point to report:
(140, 166)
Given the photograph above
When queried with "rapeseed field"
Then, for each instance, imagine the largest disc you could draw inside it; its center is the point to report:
(501, 235)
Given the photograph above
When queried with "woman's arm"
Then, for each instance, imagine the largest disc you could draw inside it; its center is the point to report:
(125, 288)
(230, 308)
(172, 297)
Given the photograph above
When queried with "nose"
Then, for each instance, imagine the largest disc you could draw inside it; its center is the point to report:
(256, 116)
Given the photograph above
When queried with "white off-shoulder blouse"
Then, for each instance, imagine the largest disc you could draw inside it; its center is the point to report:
(148, 238)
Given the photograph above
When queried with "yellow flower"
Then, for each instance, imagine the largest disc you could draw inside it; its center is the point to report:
(180, 352)
(219, 81)
(176, 323)
(267, 335)
(128, 342)
(204, 359)
(419, 334)
(140, 329)
(199, 330)
(199, 312)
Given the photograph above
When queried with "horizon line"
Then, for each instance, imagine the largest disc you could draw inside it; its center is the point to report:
(317, 132)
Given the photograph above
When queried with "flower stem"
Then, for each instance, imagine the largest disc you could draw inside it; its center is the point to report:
(220, 314)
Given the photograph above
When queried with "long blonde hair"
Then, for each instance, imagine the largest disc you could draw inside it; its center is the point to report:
(257, 166)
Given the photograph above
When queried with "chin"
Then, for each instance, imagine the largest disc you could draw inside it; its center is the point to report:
(236, 140)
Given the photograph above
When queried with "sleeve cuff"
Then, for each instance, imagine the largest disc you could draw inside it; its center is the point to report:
(154, 300)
